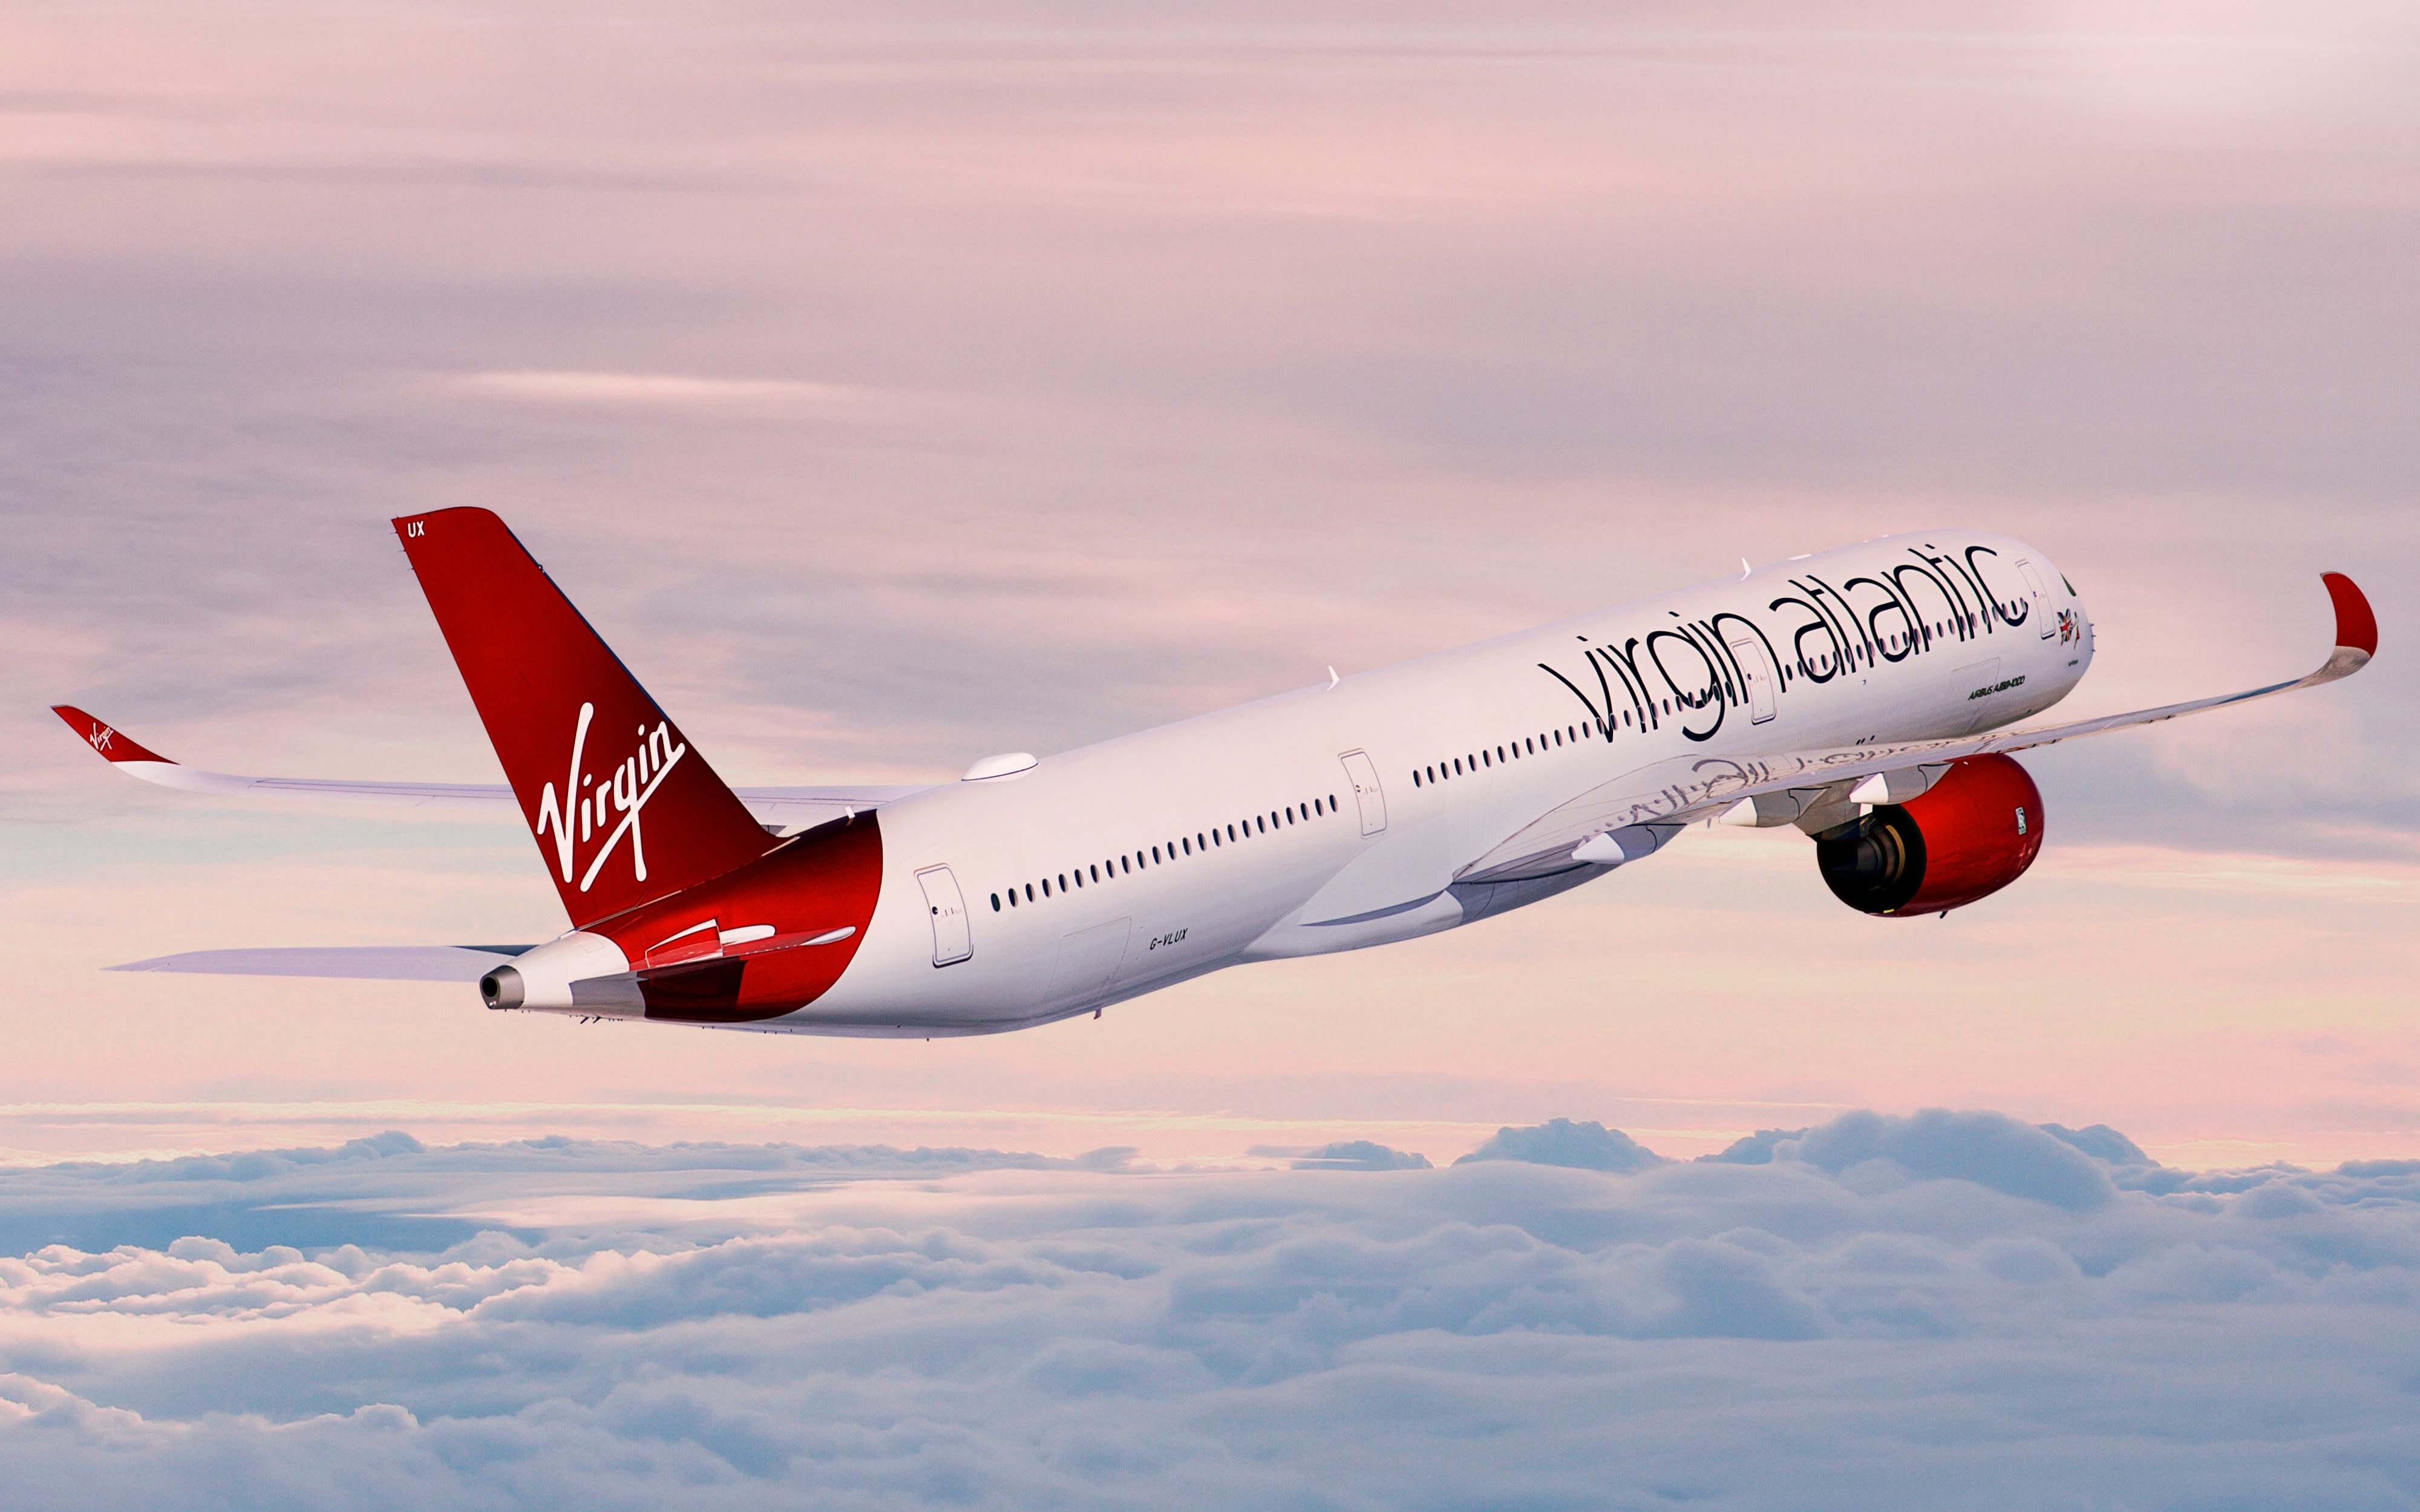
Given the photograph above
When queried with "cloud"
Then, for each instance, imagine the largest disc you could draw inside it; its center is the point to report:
(381, 1190)
(1590, 1147)
(1349, 1155)
(2101, 1143)
(1884, 1313)
(1988, 1148)
(672, 390)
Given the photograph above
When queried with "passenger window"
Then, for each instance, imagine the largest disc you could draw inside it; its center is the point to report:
(995, 903)
(1484, 761)
(1045, 885)
(1154, 855)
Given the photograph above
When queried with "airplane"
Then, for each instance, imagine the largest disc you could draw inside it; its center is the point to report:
(1865, 697)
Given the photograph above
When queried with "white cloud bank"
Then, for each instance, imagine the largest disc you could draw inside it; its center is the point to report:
(1945, 1310)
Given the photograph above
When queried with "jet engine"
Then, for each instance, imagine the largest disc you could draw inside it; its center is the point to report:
(1966, 837)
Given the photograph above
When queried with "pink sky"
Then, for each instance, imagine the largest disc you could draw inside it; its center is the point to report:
(896, 386)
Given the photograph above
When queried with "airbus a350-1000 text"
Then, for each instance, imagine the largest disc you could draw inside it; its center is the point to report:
(1868, 697)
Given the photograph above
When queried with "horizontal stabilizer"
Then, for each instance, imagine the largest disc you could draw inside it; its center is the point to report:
(358, 963)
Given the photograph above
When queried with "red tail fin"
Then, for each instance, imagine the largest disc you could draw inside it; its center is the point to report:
(587, 751)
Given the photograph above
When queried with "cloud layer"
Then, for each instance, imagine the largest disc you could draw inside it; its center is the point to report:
(1882, 1312)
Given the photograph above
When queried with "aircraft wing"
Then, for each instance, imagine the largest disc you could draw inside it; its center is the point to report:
(361, 963)
(781, 808)
(1632, 815)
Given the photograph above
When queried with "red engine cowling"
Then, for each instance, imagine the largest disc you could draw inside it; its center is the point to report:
(1971, 834)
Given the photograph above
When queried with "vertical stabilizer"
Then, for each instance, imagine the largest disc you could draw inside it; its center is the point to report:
(623, 807)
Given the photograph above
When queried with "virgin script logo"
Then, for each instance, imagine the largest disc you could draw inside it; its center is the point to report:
(594, 804)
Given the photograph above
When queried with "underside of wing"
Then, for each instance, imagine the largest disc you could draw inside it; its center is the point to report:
(359, 963)
(1635, 813)
(780, 810)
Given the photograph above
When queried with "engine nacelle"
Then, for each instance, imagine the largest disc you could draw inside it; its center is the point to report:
(1973, 832)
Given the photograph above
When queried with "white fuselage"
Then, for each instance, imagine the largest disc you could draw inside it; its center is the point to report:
(1885, 641)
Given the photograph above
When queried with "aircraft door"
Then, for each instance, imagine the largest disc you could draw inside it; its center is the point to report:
(2040, 595)
(953, 932)
(1755, 664)
(1363, 774)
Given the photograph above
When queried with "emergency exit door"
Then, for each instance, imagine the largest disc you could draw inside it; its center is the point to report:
(1363, 774)
(1756, 665)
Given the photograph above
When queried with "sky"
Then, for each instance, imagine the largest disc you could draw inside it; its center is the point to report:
(894, 385)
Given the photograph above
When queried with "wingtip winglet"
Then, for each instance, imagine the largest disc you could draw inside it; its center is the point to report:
(2356, 622)
(109, 742)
